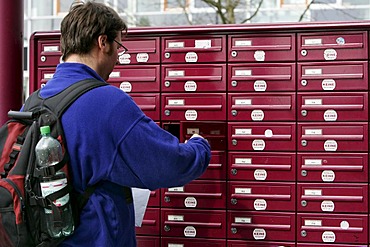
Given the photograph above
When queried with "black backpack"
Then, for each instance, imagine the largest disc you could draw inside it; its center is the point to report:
(21, 204)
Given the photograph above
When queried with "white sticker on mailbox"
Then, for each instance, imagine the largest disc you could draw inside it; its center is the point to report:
(243, 191)
(243, 42)
(260, 86)
(330, 145)
(125, 86)
(243, 220)
(205, 44)
(176, 102)
(257, 115)
(176, 189)
(175, 73)
(327, 206)
(258, 144)
(176, 44)
(190, 86)
(190, 202)
(53, 48)
(269, 133)
(344, 224)
(243, 102)
(124, 59)
(312, 41)
(330, 54)
(330, 115)
(259, 55)
(313, 162)
(328, 237)
(313, 223)
(114, 74)
(260, 204)
(191, 115)
(259, 234)
(142, 57)
(328, 84)
(313, 71)
(312, 192)
(313, 131)
(328, 176)
(260, 174)
(175, 245)
(48, 76)
(313, 101)
(191, 57)
(243, 72)
(190, 231)
(243, 161)
(243, 131)
(175, 217)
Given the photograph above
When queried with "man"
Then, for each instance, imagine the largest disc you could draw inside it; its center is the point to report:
(110, 141)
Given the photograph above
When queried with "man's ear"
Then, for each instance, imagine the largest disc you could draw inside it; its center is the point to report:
(102, 41)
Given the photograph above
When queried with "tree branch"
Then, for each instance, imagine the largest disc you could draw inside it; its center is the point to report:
(254, 14)
(305, 11)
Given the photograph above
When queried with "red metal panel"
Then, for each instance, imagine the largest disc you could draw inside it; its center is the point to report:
(257, 196)
(196, 194)
(149, 103)
(261, 47)
(332, 137)
(136, 79)
(261, 226)
(140, 50)
(193, 242)
(216, 169)
(151, 222)
(193, 107)
(194, 78)
(44, 75)
(193, 223)
(262, 77)
(334, 106)
(194, 49)
(328, 198)
(333, 76)
(261, 136)
(254, 166)
(330, 46)
(49, 53)
(261, 107)
(214, 132)
(333, 167)
(240, 243)
(330, 245)
(332, 228)
(148, 241)
(155, 198)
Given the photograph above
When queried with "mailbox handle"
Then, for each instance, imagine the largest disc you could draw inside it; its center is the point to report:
(214, 166)
(334, 198)
(140, 79)
(263, 77)
(262, 166)
(262, 47)
(181, 194)
(193, 78)
(325, 46)
(274, 137)
(333, 137)
(193, 107)
(146, 107)
(138, 50)
(333, 76)
(328, 228)
(260, 196)
(149, 222)
(335, 107)
(198, 224)
(194, 49)
(261, 107)
(333, 167)
(264, 226)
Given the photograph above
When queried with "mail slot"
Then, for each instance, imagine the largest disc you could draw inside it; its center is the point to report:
(261, 47)
(334, 106)
(261, 226)
(44, 75)
(241, 243)
(193, 223)
(216, 169)
(261, 107)
(261, 136)
(151, 222)
(333, 76)
(257, 196)
(337, 198)
(262, 77)
(333, 137)
(148, 241)
(330, 245)
(193, 242)
(333, 167)
(136, 79)
(194, 78)
(194, 106)
(330, 46)
(148, 103)
(194, 49)
(214, 132)
(49, 53)
(332, 228)
(140, 50)
(196, 194)
(155, 198)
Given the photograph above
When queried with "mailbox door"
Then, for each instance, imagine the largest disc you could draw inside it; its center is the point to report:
(44, 75)
(155, 198)
(148, 241)
(241, 243)
(151, 222)
(216, 169)
(140, 50)
(49, 53)
(148, 103)
(193, 242)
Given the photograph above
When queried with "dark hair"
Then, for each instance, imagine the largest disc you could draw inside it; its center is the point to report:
(84, 23)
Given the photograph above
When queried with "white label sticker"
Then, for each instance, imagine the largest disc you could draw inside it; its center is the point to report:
(176, 189)
(313, 71)
(50, 187)
(191, 115)
(243, 161)
(330, 54)
(243, 102)
(190, 202)
(175, 245)
(115, 74)
(191, 57)
(328, 237)
(48, 76)
(313, 223)
(242, 220)
(243, 191)
(53, 48)
(312, 41)
(191, 131)
(344, 224)
(313, 162)
(125, 86)
(269, 133)
(259, 234)
(190, 86)
(175, 73)
(260, 204)
(258, 144)
(313, 192)
(176, 102)
(259, 55)
(328, 176)
(243, 131)
(205, 44)
(243, 42)
(124, 59)
(260, 174)
(313, 131)
(142, 57)
(330, 115)
(190, 231)
(243, 72)
(328, 84)
(327, 206)
(257, 115)
(313, 101)
(175, 217)
(260, 86)
(330, 145)
(176, 44)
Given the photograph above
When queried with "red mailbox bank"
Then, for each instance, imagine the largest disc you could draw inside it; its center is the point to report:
(285, 110)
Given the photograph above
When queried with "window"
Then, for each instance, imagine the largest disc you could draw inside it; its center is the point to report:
(63, 6)
(356, 2)
(148, 6)
(293, 1)
(175, 4)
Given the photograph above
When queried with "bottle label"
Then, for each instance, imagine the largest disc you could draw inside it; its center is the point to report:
(50, 187)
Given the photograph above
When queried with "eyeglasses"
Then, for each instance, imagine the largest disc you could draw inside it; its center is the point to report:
(121, 48)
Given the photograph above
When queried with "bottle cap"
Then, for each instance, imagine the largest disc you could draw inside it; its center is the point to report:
(45, 130)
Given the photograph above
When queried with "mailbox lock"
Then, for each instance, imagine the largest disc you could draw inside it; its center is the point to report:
(167, 83)
(167, 228)
(234, 83)
(234, 201)
(303, 233)
(234, 142)
(304, 203)
(304, 53)
(234, 112)
(304, 173)
(304, 82)
(233, 230)
(304, 113)
(234, 171)
(234, 53)
(167, 55)
(167, 199)
(304, 143)
(43, 58)
(167, 112)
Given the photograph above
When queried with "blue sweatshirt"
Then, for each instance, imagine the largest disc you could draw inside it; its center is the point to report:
(113, 143)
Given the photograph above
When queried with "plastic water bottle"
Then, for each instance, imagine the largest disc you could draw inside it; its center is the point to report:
(49, 152)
